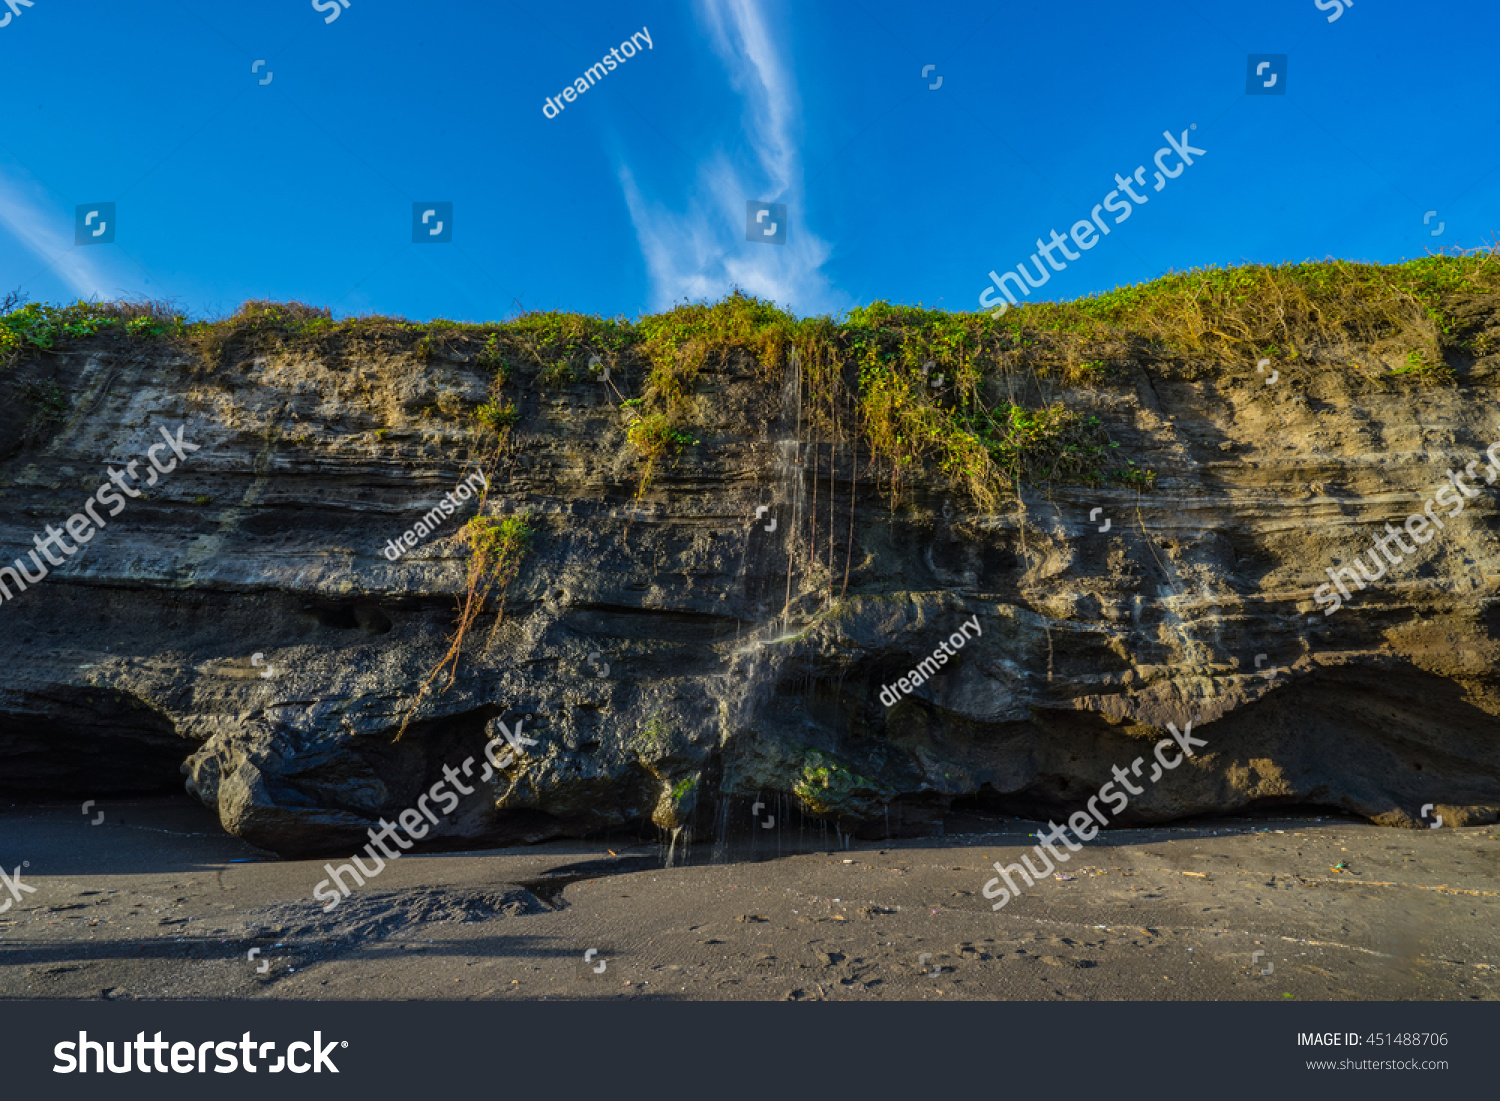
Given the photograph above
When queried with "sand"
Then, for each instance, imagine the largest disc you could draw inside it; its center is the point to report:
(156, 902)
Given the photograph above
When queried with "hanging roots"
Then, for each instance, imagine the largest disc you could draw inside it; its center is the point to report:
(496, 549)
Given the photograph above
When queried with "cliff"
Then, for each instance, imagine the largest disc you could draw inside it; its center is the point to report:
(718, 534)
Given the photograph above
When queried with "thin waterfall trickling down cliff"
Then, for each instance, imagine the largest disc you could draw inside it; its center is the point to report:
(781, 557)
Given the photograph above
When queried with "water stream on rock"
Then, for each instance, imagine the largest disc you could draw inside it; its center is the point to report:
(752, 674)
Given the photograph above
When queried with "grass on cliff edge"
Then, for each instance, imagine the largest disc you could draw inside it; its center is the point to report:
(920, 388)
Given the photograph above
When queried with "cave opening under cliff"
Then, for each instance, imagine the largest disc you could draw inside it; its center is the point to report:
(93, 742)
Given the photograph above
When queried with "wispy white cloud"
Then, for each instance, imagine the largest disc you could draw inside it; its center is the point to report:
(756, 72)
(33, 221)
(698, 250)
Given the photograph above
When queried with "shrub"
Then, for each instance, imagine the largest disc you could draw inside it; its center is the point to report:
(498, 413)
(652, 436)
(36, 326)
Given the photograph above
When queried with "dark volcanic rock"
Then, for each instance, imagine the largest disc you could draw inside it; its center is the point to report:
(675, 661)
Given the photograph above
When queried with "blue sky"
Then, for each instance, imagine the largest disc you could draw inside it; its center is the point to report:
(634, 196)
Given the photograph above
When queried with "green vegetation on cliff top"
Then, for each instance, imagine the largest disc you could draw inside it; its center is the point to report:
(974, 398)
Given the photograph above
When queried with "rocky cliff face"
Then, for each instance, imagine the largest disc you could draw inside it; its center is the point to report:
(682, 656)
